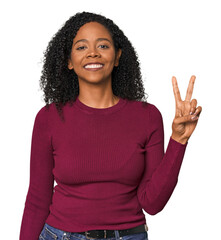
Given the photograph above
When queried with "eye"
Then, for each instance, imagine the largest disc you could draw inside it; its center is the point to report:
(104, 46)
(80, 48)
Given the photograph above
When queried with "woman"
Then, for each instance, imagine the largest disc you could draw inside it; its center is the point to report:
(99, 140)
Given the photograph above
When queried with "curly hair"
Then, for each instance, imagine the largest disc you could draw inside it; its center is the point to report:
(60, 84)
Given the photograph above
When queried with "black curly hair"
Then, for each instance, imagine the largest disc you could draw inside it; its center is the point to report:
(60, 84)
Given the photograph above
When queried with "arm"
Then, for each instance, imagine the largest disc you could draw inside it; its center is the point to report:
(162, 169)
(41, 183)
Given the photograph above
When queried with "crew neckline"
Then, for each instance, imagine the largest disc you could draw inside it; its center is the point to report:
(92, 110)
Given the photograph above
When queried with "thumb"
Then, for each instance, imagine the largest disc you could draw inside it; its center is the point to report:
(187, 118)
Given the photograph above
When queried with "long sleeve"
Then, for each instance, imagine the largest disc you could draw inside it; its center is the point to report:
(161, 169)
(108, 163)
(40, 190)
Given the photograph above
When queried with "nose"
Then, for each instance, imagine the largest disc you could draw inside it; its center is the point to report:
(92, 52)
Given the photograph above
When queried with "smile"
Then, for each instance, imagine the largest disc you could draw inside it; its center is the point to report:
(93, 67)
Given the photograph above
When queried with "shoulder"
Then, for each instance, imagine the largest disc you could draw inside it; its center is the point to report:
(44, 113)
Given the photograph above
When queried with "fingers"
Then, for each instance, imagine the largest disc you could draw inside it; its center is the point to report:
(189, 91)
(193, 104)
(196, 115)
(176, 89)
(198, 111)
(189, 118)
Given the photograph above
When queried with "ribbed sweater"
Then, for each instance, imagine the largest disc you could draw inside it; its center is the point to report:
(99, 168)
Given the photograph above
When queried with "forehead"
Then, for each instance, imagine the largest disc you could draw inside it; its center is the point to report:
(93, 29)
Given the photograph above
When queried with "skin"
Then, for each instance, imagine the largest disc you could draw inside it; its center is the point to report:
(95, 88)
(187, 114)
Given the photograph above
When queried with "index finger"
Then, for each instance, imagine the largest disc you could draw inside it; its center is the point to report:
(189, 91)
(176, 90)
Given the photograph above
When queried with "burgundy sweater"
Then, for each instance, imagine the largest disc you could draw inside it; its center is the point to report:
(108, 164)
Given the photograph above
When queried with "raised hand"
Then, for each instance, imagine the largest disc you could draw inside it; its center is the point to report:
(187, 113)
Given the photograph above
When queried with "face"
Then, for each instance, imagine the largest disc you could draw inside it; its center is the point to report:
(93, 55)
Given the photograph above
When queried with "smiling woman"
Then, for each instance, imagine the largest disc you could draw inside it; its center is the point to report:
(106, 149)
(93, 50)
(90, 38)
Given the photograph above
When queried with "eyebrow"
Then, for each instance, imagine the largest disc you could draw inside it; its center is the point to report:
(98, 39)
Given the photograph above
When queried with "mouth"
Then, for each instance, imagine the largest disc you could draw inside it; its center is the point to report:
(93, 66)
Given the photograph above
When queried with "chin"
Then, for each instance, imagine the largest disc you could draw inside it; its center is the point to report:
(94, 79)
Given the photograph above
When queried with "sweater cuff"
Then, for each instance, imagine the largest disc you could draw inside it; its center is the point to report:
(178, 144)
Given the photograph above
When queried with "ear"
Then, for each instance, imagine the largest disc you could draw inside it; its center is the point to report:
(117, 57)
(70, 66)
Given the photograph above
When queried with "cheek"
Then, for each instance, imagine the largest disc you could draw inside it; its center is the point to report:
(110, 58)
(76, 60)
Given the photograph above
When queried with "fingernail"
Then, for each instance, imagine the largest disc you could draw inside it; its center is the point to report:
(191, 113)
(194, 117)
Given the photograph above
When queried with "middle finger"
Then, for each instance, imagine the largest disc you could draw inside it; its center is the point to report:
(189, 91)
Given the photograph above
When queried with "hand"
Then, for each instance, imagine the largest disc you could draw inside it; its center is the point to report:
(187, 113)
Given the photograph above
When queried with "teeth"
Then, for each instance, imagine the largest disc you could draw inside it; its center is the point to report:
(94, 66)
